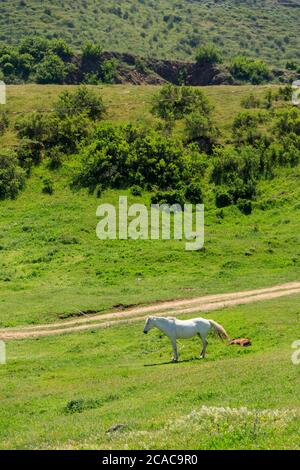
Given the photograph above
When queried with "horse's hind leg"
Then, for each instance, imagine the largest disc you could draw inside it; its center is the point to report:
(205, 343)
(175, 352)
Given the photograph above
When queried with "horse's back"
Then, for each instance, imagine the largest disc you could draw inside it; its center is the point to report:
(189, 328)
(202, 321)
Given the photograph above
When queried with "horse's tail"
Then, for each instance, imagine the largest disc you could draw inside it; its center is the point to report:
(219, 330)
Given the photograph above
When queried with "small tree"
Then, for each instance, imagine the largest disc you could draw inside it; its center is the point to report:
(175, 102)
(60, 48)
(35, 46)
(12, 177)
(82, 101)
(247, 69)
(51, 69)
(3, 122)
(208, 55)
(200, 128)
(91, 57)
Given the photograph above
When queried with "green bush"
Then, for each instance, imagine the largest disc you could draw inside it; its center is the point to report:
(29, 153)
(42, 60)
(175, 102)
(12, 177)
(253, 70)
(193, 193)
(91, 51)
(200, 128)
(136, 190)
(237, 172)
(51, 69)
(55, 157)
(245, 127)
(245, 206)
(285, 93)
(287, 122)
(109, 71)
(251, 101)
(82, 101)
(60, 48)
(223, 197)
(32, 126)
(125, 156)
(3, 122)
(284, 153)
(35, 46)
(208, 55)
(168, 197)
(71, 122)
(47, 186)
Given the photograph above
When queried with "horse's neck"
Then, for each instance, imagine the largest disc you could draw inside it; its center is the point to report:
(163, 324)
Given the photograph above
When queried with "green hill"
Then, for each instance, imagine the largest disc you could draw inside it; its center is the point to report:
(52, 263)
(267, 29)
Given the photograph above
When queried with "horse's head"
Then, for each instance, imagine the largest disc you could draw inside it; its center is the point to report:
(149, 324)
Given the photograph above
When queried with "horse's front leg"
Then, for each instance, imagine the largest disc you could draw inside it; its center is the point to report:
(175, 352)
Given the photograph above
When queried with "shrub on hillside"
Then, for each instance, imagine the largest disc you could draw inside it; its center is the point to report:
(136, 190)
(71, 122)
(3, 122)
(109, 71)
(51, 69)
(126, 155)
(82, 101)
(12, 177)
(253, 70)
(48, 187)
(91, 51)
(49, 130)
(230, 163)
(285, 93)
(193, 193)
(245, 206)
(29, 153)
(61, 49)
(223, 197)
(287, 122)
(251, 101)
(169, 198)
(208, 55)
(55, 157)
(237, 172)
(284, 153)
(32, 126)
(46, 61)
(174, 102)
(200, 128)
(245, 127)
(35, 46)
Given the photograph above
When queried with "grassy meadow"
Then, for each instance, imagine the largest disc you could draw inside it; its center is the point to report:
(53, 265)
(67, 392)
(115, 388)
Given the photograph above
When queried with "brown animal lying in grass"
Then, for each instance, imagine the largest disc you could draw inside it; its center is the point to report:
(241, 342)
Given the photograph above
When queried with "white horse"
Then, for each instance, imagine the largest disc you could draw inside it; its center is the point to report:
(176, 329)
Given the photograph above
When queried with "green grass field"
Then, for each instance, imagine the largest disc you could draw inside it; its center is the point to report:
(53, 265)
(267, 29)
(68, 391)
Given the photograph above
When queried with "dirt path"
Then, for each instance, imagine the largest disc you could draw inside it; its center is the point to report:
(177, 307)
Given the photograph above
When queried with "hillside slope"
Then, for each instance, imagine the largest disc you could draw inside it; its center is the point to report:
(53, 266)
(267, 29)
